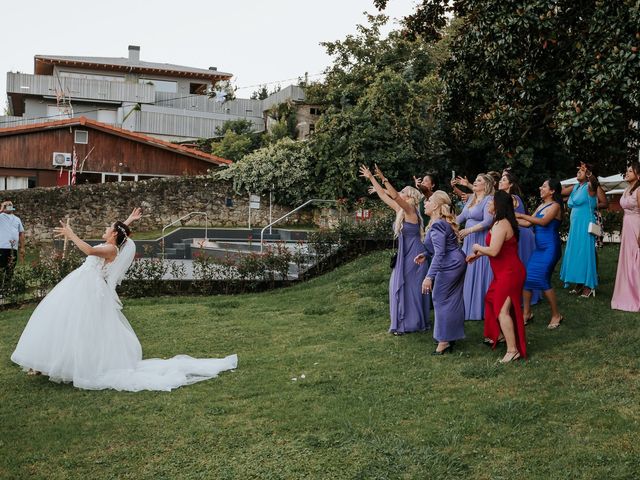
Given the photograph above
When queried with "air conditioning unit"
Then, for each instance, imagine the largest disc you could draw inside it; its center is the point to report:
(61, 159)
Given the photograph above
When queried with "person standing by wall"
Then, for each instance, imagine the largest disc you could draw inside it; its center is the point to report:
(11, 239)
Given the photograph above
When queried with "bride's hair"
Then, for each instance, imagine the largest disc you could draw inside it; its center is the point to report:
(122, 233)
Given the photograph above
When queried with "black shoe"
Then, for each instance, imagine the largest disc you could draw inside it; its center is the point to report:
(447, 349)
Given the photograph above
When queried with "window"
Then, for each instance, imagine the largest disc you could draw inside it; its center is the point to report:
(81, 136)
(312, 129)
(161, 85)
(198, 88)
(314, 111)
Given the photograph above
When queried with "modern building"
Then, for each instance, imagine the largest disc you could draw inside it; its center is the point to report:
(172, 103)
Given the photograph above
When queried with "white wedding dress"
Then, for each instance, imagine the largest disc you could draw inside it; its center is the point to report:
(78, 334)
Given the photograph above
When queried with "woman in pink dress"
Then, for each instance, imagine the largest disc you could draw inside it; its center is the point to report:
(626, 294)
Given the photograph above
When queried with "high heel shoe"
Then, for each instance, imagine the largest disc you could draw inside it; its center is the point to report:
(553, 326)
(592, 293)
(447, 349)
(510, 357)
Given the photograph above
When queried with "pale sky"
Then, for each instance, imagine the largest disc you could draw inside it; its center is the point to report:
(259, 41)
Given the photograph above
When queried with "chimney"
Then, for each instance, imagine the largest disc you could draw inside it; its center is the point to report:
(215, 69)
(134, 53)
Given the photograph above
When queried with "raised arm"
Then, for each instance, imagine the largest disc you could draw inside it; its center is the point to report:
(382, 193)
(107, 252)
(393, 193)
(566, 191)
(603, 201)
(136, 214)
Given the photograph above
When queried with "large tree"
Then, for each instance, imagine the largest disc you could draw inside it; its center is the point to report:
(378, 98)
(544, 82)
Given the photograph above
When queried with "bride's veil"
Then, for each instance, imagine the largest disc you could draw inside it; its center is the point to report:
(117, 269)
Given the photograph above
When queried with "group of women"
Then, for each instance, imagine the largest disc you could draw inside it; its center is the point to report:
(501, 262)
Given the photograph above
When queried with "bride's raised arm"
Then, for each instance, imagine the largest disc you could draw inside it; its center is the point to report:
(108, 251)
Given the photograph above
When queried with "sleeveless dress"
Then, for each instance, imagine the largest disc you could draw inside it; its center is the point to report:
(447, 270)
(626, 294)
(78, 334)
(544, 258)
(579, 262)
(508, 280)
(526, 244)
(409, 308)
(478, 275)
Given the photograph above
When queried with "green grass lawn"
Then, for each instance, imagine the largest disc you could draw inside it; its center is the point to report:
(371, 405)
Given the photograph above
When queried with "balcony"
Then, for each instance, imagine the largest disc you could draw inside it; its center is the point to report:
(19, 84)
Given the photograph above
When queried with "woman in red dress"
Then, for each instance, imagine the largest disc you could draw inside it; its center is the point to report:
(503, 306)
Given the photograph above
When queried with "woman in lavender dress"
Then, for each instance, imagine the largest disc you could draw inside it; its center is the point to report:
(477, 221)
(409, 308)
(446, 272)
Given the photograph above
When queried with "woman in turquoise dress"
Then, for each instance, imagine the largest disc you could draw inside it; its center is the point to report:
(579, 262)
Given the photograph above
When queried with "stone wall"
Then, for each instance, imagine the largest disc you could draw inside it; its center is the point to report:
(92, 207)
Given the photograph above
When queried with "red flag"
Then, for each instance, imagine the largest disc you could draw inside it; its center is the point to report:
(74, 166)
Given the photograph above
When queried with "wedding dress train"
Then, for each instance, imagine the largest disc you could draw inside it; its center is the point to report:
(78, 334)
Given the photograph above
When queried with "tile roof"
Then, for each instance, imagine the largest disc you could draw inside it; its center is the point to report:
(138, 137)
(133, 64)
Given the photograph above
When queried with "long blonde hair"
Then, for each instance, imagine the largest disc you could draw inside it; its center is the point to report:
(489, 189)
(414, 197)
(443, 201)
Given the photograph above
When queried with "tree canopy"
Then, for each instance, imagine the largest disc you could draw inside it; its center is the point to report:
(544, 82)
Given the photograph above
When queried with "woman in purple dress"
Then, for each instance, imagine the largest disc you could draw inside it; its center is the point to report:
(477, 221)
(409, 308)
(446, 272)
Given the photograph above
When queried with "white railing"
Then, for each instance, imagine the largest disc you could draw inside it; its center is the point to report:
(313, 200)
(206, 226)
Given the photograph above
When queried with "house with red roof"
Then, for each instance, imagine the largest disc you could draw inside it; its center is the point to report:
(42, 155)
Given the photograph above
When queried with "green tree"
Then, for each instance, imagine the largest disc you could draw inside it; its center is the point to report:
(377, 98)
(544, 82)
(285, 165)
(238, 139)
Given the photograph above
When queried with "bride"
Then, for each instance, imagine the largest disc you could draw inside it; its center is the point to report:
(78, 333)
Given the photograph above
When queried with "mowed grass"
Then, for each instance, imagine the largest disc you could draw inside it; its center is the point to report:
(370, 405)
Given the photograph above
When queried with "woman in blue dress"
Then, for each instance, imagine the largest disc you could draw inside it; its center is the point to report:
(477, 221)
(409, 308)
(579, 262)
(546, 221)
(445, 277)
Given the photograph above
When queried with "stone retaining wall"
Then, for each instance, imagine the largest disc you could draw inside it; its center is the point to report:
(92, 207)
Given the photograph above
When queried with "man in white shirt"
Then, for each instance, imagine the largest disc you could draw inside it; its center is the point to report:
(11, 238)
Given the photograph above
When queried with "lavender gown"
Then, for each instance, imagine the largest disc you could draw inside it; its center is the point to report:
(478, 275)
(447, 270)
(526, 245)
(409, 307)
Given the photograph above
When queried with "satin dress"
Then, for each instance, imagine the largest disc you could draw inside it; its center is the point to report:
(544, 258)
(508, 280)
(579, 262)
(626, 293)
(409, 308)
(447, 271)
(478, 275)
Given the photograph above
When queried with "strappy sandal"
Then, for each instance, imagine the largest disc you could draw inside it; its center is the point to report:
(553, 326)
(514, 356)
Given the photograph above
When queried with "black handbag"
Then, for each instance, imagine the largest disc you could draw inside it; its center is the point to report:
(394, 257)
